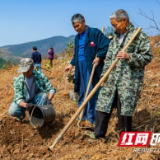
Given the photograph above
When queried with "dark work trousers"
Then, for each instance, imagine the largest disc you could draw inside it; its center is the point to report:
(51, 62)
(102, 120)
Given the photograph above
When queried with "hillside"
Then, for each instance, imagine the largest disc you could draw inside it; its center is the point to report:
(14, 52)
(22, 141)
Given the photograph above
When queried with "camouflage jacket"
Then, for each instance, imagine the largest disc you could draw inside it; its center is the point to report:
(127, 75)
(20, 89)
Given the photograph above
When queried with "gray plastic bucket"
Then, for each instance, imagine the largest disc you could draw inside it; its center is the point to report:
(41, 115)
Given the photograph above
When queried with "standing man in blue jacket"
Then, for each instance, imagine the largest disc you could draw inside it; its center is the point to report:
(88, 42)
(37, 59)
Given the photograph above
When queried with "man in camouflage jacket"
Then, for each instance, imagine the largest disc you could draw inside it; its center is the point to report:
(30, 88)
(124, 83)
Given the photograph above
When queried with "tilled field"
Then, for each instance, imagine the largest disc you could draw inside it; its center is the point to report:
(22, 141)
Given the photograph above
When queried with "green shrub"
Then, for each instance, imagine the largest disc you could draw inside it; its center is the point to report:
(69, 47)
(4, 66)
(48, 65)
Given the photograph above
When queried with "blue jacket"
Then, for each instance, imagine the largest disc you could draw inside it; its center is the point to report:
(95, 42)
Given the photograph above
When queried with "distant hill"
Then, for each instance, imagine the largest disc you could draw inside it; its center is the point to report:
(16, 52)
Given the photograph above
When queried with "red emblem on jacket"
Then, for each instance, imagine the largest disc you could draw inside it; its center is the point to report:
(92, 44)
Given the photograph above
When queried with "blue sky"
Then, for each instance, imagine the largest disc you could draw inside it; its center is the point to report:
(29, 20)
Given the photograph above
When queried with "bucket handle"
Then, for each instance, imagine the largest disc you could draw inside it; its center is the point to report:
(32, 113)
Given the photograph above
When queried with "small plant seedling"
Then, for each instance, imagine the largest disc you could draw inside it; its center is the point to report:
(69, 47)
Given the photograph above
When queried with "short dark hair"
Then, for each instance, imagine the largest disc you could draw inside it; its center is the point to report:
(35, 48)
(77, 18)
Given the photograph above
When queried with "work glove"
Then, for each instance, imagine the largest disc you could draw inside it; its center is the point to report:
(49, 102)
(29, 106)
